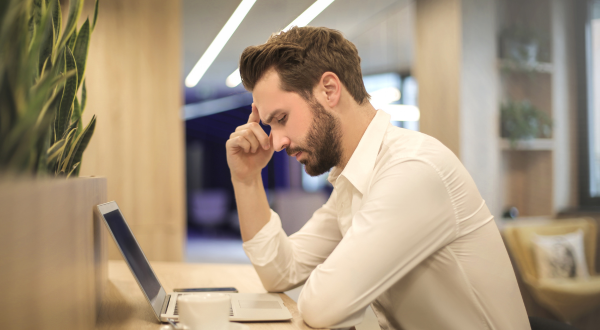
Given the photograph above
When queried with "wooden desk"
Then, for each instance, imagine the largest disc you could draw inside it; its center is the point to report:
(124, 305)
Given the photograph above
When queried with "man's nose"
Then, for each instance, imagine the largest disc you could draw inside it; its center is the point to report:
(280, 141)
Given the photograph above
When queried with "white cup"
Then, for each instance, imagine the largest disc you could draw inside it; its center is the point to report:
(204, 311)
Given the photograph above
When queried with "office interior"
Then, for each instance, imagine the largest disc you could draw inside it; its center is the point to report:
(511, 87)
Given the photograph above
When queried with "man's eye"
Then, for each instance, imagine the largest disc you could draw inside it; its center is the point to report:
(282, 119)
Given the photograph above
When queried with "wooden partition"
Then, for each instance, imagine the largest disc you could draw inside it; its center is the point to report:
(455, 67)
(134, 87)
(53, 265)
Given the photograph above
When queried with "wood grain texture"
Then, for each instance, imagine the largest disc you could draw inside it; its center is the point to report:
(134, 88)
(528, 181)
(50, 276)
(458, 85)
(125, 307)
(437, 69)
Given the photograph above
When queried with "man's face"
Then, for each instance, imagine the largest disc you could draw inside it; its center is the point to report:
(305, 129)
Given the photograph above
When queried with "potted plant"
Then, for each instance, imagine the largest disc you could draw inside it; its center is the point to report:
(51, 244)
(520, 44)
(42, 70)
(520, 120)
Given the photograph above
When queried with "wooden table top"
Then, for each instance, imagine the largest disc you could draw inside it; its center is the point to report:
(125, 307)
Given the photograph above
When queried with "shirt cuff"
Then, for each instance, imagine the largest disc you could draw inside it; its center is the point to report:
(262, 248)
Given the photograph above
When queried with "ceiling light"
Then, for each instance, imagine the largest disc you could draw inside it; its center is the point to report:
(402, 112)
(384, 96)
(309, 14)
(217, 45)
(234, 79)
(303, 20)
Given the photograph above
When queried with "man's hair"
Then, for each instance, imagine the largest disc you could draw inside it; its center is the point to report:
(301, 56)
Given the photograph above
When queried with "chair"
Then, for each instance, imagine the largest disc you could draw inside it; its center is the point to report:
(568, 299)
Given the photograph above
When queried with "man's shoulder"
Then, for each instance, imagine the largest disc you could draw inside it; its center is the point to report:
(401, 144)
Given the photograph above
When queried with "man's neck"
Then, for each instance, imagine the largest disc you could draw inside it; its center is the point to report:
(355, 119)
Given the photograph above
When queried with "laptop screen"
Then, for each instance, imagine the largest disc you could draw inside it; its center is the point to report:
(135, 258)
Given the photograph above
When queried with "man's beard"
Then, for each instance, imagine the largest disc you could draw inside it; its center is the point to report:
(323, 142)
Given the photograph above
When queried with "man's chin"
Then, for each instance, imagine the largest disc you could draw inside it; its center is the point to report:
(314, 171)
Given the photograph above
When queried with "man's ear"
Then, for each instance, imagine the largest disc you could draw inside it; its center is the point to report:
(329, 89)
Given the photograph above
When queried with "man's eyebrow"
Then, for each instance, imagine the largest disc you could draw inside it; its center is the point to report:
(270, 117)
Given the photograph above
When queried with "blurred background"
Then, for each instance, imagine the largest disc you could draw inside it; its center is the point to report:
(507, 85)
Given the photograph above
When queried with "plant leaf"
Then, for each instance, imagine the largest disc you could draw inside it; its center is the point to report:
(81, 50)
(56, 18)
(72, 40)
(62, 159)
(95, 15)
(43, 154)
(66, 103)
(83, 97)
(75, 7)
(54, 151)
(73, 170)
(48, 33)
(76, 118)
(84, 139)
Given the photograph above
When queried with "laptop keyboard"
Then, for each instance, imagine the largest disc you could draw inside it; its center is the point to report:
(176, 311)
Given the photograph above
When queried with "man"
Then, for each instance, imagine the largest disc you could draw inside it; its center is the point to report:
(405, 228)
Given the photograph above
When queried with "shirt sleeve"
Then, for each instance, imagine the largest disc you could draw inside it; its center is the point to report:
(406, 217)
(283, 262)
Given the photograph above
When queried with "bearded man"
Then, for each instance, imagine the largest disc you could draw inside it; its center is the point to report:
(405, 229)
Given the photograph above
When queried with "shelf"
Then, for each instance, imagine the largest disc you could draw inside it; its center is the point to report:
(533, 144)
(512, 65)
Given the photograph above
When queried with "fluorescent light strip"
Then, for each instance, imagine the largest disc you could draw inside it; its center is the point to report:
(309, 14)
(304, 19)
(217, 45)
(234, 79)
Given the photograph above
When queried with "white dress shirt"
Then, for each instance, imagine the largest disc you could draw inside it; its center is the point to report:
(405, 230)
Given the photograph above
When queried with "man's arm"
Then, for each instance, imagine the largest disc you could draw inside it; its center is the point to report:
(284, 262)
(249, 149)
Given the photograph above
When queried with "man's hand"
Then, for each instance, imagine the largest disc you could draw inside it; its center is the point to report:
(249, 149)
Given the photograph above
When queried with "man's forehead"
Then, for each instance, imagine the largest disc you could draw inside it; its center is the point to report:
(268, 95)
(265, 112)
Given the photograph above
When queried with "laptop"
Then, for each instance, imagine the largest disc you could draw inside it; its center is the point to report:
(244, 306)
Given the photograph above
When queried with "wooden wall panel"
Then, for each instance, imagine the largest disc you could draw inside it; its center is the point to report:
(437, 69)
(528, 180)
(456, 71)
(135, 88)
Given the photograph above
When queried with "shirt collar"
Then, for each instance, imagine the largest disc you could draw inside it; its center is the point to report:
(362, 161)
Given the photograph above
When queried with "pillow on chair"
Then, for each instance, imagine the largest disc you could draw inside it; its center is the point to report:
(560, 256)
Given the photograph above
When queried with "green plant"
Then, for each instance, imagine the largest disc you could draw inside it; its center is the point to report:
(42, 71)
(520, 120)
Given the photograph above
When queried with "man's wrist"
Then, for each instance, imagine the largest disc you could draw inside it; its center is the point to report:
(249, 182)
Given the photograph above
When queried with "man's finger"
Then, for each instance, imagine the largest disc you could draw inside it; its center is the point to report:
(254, 117)
(240, 142)
(260, 134)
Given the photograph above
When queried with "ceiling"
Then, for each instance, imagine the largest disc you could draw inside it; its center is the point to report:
(382, 30)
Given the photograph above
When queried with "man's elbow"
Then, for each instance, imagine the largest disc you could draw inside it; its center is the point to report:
(321, 314)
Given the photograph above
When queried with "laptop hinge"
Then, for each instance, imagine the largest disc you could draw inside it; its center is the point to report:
(165, 305)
